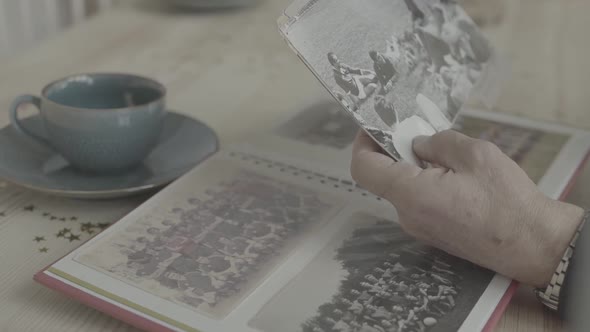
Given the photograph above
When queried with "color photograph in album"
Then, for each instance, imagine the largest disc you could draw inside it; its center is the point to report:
(533, 149)
(213, 244)
(401, 68)
(374, 277)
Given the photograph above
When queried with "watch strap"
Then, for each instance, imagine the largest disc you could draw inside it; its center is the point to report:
(550, 295)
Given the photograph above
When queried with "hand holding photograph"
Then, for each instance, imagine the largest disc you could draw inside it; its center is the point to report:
(401, 68)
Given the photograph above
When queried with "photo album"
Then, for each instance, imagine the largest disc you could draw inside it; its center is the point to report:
(273, 235)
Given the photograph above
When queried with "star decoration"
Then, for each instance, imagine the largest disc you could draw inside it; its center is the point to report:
(73, 218)
(86, 226)
(63, 232)
(44, 249)
(103, 225)
(53, 218)
(73, 237)
(46, 214)
(29, 208)
(39, 239)
(62, 219)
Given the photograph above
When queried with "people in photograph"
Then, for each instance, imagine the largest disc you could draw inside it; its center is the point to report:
(430, 34)
(459, 81)
(347, 102)
(453, 34)
(413, 48)
(357, 83)
(386, 111)
(417, 14)
(480, 48)
(384, 68)
(473, 43)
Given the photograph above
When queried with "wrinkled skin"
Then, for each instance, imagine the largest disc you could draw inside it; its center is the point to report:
(474, 203)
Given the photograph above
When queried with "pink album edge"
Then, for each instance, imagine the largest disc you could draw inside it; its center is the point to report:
(101, 305)
(505, 301)
(149, 325)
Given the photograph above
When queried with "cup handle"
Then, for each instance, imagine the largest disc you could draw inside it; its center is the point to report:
(16, 123)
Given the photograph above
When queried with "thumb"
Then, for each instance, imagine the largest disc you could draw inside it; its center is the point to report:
(377, 172)
(445, 149)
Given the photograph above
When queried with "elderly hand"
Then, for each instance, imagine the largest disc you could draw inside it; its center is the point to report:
(476, 203)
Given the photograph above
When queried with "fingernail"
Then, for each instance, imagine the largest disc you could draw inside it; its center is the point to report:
(419, 140)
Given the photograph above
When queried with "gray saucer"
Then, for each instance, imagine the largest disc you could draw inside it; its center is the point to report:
(184, 143)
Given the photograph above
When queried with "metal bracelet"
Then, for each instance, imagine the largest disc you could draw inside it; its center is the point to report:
(550, 295)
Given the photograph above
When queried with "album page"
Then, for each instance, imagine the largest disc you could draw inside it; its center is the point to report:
(251, 242)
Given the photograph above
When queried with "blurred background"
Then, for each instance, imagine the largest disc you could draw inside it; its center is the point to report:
(24, 23)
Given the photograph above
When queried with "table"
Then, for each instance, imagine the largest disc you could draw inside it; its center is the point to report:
(241, 55)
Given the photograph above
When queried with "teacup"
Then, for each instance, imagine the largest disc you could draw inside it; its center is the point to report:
(99, 122)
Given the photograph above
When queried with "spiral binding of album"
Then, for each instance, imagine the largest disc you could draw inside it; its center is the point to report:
(317, 177)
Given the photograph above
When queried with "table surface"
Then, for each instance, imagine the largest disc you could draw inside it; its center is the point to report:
(241, 55)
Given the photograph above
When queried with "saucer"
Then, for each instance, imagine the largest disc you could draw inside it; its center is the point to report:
(184, 143)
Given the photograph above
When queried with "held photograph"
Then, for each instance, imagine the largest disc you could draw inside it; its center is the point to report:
(402, 68)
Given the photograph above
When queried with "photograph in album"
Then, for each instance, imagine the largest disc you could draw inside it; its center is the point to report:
(374, 277)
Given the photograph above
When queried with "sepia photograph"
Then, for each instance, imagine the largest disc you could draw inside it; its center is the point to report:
(213, 249)
(324, 123)
(402, 68)
(374, 277)
(533, 150)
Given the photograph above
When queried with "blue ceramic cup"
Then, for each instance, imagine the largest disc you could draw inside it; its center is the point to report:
(99, 122)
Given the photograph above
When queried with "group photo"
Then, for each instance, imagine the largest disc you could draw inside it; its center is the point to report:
(373, 277)
(209, 252)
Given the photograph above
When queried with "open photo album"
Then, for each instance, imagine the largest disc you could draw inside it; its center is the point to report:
(274, 235)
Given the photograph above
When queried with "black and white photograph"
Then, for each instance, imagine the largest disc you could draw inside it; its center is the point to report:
(323, 123)
(209, 251)
(486, 13)
(373, 277)
(402, 68)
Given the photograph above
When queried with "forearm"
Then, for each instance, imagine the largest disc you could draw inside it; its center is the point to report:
(532, 240)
